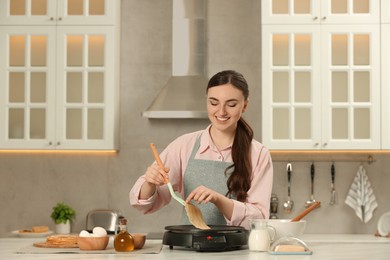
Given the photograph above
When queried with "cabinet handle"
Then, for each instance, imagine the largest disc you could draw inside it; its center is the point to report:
(59, 18)
(58, 143)
(51, 18)
(316, 144)
(325, 144)
(324, 18)
(50, 143)
(315, 18)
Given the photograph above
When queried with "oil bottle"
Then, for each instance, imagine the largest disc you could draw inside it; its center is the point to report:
(123, 241)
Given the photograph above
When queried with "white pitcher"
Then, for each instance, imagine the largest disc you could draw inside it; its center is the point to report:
(261, 235)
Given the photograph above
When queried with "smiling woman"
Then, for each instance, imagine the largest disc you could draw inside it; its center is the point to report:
(222, 168)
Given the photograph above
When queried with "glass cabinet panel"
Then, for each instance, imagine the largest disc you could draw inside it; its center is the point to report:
(281, 126)
(303, 86)
(340, 123)
(339, 49)
(16, 87)
(74, 124)
(16, 123)
(361, 89)
(17, 50)
(361, 6)
(74, 50)
(95, 123)
(74, 87)
(38, 87)
(38, 50)
(302, 55)
(280, 86)
(97, 7)
(362, 123)
(39, 7)
(361, 49)
(96, 87)
(75, 7)
(38, 123)
(17, 7)
(302, 123)
(339, 86)
(96, 50)
(280, 49)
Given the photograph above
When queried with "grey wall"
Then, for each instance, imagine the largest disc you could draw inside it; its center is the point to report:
(31, 184)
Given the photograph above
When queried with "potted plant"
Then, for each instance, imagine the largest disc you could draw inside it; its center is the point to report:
(62, 215)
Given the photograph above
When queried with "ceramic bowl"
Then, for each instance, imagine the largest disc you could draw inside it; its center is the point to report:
(284, 227)
(139, 240)
(92, 243)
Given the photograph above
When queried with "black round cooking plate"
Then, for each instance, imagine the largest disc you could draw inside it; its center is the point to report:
(190, 229)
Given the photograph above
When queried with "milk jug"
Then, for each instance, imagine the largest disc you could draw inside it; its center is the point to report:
(261, 235)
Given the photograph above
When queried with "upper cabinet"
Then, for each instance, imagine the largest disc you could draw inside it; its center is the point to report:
(320, 11)
(60, 81)
(321, 82)
(64, 12)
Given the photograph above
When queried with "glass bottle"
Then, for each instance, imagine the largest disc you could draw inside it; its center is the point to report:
(123, 241)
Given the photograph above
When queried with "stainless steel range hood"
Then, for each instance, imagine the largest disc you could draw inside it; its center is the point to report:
(184, 95)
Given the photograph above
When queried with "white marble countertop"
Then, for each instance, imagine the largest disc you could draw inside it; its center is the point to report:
(323, 246)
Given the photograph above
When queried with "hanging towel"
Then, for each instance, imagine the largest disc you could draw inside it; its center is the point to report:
(361, 197)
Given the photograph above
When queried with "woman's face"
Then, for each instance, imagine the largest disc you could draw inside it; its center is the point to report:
(225, 105)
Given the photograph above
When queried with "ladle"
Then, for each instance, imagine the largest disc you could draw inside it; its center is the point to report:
(311, 201)
(333, 191)
(289, 204)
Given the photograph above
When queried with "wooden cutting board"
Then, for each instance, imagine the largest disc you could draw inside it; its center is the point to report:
(47, 245)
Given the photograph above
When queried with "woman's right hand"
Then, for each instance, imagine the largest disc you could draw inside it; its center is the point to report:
(155, 175)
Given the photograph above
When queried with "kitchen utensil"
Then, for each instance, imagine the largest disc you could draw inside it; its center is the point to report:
(194, 214)
(286, 228)
(311, 201)
(289, 204)
(306, 211)
(333, 190)
(217, 238)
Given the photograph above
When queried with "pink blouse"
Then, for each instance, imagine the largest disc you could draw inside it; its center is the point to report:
(176, 156)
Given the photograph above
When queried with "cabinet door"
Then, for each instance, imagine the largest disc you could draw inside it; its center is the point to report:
(27, 86)
(60, 12)
(290, 11)
(86, 12)
(350, 11)
(351, 87)
(86, 87)
(320, 11)
(31, 12)
(385, 33)
(290, 89)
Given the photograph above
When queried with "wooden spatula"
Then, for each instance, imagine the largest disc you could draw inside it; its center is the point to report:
(193, 213)
(306, 211)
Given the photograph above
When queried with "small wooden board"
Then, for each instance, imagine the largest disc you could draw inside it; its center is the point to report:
(46, 245)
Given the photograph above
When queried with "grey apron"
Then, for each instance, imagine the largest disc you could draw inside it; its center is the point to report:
(210, 174)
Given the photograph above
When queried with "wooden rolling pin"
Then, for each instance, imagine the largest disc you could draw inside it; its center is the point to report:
(304, 213)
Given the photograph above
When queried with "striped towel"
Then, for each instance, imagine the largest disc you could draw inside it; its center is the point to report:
(361, 197)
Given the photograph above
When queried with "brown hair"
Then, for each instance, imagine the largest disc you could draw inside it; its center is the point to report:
(238, 182)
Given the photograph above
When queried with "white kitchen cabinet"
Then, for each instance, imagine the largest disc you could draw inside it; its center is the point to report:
(385, 84)
(320, 11)
(321, 86)
(61, 12)
(60, 84)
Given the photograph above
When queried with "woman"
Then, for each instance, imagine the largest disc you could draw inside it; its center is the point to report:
(222, 168)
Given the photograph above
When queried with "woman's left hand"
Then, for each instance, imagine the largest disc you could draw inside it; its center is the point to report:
(203, 194)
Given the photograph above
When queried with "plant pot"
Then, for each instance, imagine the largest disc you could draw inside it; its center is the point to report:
(63, 228)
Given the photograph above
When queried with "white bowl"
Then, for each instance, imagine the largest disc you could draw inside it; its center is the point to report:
(284, 227)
